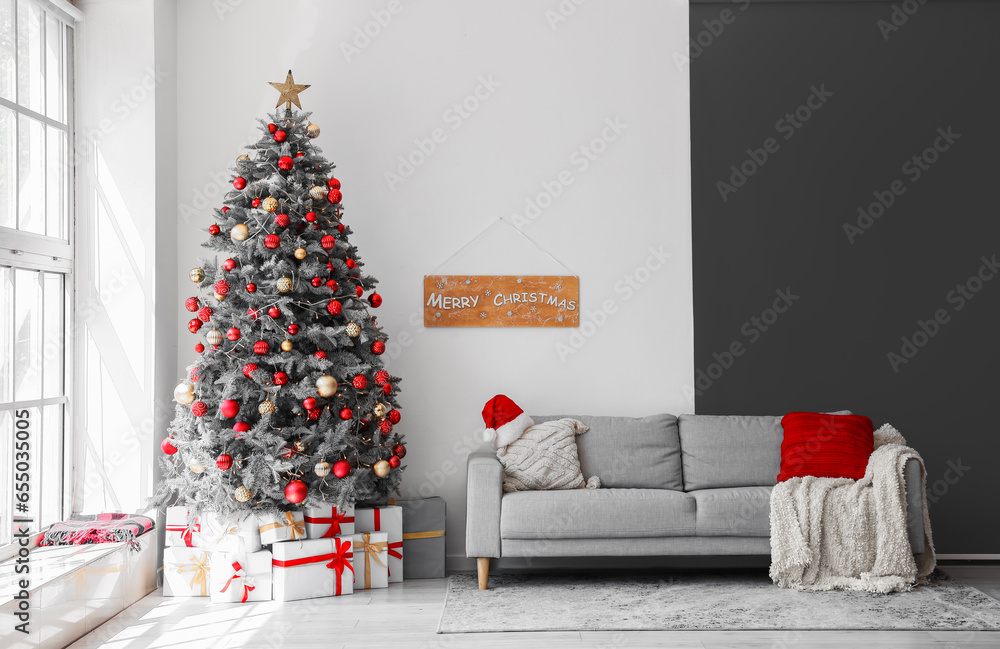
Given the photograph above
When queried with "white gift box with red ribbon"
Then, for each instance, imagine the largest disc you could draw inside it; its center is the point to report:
(388, 519)
(181, 529)
(186, 572)
(328, 522)
(312, 568)
(220, 534)
(281, 526)
(240, 577)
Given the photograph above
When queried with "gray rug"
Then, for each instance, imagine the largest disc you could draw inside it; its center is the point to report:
(702, 601)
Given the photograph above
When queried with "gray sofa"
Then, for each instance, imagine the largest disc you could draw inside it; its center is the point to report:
(693, 485)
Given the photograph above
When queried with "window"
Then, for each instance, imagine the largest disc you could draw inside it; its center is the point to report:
(36, 258)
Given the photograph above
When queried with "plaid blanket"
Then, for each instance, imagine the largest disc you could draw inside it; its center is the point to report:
(81, 529)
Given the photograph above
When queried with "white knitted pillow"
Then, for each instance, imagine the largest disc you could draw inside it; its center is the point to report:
(545, 457)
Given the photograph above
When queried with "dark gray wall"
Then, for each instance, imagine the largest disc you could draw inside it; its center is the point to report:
(784, 228)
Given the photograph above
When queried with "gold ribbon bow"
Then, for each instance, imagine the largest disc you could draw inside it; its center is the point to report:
(371, 551)
(297, 529)
(200, 569)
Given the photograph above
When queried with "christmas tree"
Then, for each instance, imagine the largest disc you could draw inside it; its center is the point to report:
(288, 403)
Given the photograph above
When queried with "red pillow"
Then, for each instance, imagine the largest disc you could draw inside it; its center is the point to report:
(825, 446)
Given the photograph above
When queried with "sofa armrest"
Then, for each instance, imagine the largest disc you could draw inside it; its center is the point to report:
(914, 506)
(482, 520)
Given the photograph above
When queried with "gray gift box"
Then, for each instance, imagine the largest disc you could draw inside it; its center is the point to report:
(423, 537)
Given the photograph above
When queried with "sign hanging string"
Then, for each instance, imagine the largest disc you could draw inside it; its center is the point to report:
(489, 227)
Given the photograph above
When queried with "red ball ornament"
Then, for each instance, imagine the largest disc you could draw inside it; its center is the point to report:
(194, 374)
(375, 300)
(299, 154)
(224, 462)
(311, 217)
(199, 348)
(333, 183)
(282, 220)
(214, 229)
(255, 202)
(280, 378)
(280, 136)
(328, 242)
(222, 287)
(229, 264)
(334, 196)
(346, 413)
(394, 416)
(194, 325)
(274, 312)
(271, 128)
(229, 408)
(314, 415)
(309, 403)
(341, 468)
(385, 426)
(381, 377)
(167, 447)
(296, 490)
(293, 329)
(334, 307)
(241, 427)
(225, 209)
(399, 450)
(331, 284)
(387, 389)
(251, 287)
(329, 265)
(285, 163)
(239, 182)
(233, 334)
(191, 304)
(350, 263)
(261, 347)
(360, 382)
(394, 462)
(320, 354)
(253, 313)
(198, 409)
(358, 291)
(288, 452)
(205, 314)
(272, 241)
(340, 227)
(378, 347)
(249, 369)
(316, 281)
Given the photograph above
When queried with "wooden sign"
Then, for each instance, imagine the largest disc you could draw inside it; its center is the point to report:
(501, 301)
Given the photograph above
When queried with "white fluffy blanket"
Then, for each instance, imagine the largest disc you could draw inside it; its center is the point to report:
(843, 534)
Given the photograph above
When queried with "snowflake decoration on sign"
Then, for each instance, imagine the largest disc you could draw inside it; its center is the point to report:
(534, 309)
(558, 286)
(510, 313)
(488, 292)
(482, 315)
(440, 284)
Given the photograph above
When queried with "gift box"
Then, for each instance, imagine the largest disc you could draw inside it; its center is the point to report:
(181, 529)
(312, 568)
(240, 577)
(327, 522)
(371, 567)
(423, 537)
(185, 572)
(281, 526)
(220, 534)
(388, 519)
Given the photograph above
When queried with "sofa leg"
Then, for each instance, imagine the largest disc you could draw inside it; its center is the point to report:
(483, 563)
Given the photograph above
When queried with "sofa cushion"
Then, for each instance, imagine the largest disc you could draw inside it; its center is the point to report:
(597, 513)
(630, 452)
(734, 511)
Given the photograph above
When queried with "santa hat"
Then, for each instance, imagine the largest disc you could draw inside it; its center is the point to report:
(505, 421)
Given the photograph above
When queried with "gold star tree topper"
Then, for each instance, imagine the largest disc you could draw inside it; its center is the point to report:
(289, 92)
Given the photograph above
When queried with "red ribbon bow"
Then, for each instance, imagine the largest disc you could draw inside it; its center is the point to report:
(341, 559)
(333, 521)
(237, 569)
(187, 532)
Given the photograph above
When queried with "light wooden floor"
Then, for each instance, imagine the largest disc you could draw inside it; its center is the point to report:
(406, 616)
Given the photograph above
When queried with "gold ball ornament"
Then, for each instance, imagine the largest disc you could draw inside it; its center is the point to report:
(242, 494)
(196, 467)
(283, 285)
(322, 469)
(379, 410)
(265, 407)
(381, 468)
(326, 386)
(300, 253)
(353, 330)
(317, 193)
(242, 158)
(300, 446)
(214, 337)
(286, 345)
(312, 130)
(197, 275)
(184, 393)
(240, 232)
(220, 297)
(270, 204)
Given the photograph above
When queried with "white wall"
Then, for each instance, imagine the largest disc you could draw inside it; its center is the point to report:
(555, 90)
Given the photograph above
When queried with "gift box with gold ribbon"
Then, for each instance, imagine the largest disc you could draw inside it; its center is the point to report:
(240, 577)
(423, 537)
(185, 572)
(182, 529)
(220, 534)
(329, 521)
(312, 568)
(281, 526)
(388, 519)
(371, 565)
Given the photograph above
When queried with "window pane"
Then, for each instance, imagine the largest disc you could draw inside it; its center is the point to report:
(26, 427)
(48, 492)
(31, 175)
(7, 74)
(57, 196)
(8, 168)
(6, 336)
(27, 338)
(30, 76)
(54, 334)
(53, 69)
